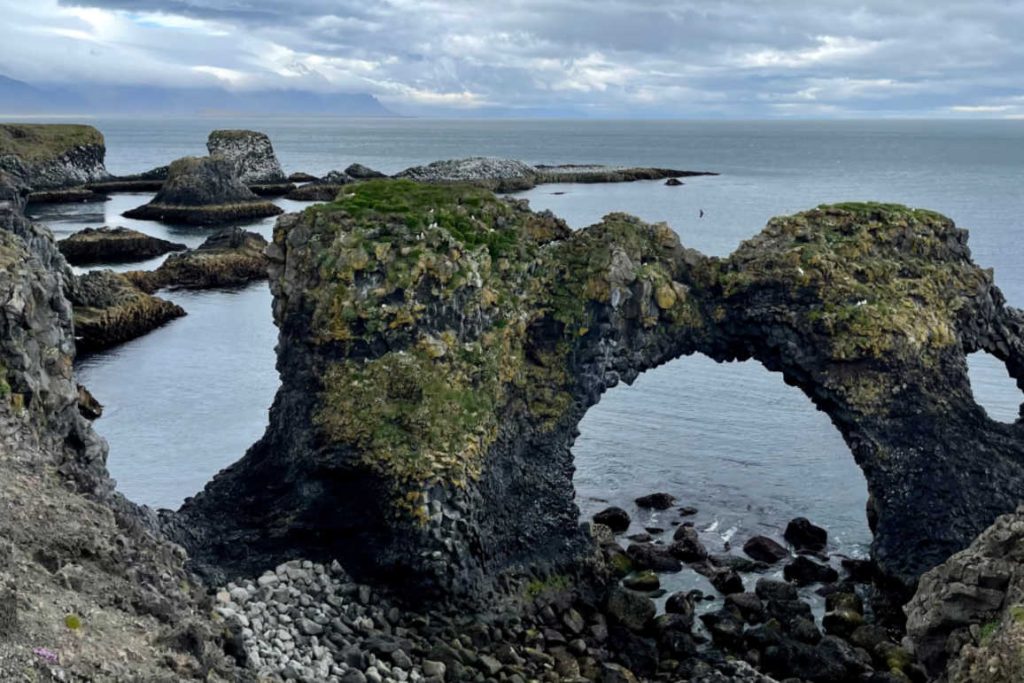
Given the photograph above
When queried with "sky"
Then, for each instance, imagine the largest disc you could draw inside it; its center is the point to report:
(588, 58)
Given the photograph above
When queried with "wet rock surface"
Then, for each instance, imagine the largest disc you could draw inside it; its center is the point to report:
(113, 245)
(110, 310)
(230, 258)
(203, 191)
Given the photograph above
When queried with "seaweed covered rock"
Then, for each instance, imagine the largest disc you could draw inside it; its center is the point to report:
(52, 156)
(204, 191)
(230, 258)
(110, 310)
(251, 153)
(113, 245)
(439, 346)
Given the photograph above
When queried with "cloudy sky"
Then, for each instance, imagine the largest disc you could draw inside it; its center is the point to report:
(667, 58)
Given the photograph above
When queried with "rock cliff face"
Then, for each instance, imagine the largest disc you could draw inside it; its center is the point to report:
(54, 156)
(203, 191)
(250, 152)
(89, 592)
(966, 621)
(438, 348)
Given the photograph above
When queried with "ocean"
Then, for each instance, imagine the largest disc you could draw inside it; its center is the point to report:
(729, 439)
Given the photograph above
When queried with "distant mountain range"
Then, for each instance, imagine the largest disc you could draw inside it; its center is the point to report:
(17, 97)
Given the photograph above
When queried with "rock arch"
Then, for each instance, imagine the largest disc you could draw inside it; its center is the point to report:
(438, 348)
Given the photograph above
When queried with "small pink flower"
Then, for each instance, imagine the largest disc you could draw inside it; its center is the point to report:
(49, 655)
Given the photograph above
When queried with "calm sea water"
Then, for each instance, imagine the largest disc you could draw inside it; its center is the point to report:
(732, 440)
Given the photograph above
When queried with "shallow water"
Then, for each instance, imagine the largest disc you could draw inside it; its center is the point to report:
(732, 440)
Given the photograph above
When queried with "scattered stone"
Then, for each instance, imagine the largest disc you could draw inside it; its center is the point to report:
(764, 549)
(687, 511)
(806, 537)
(615, 518)
(656, 501)
(804, 571)
(687, 546)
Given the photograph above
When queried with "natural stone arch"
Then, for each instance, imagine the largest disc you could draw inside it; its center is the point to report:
(439, 347)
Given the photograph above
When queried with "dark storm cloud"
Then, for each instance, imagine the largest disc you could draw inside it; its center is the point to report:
(690, 58)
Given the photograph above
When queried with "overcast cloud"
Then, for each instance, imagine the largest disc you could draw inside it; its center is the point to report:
(685, 58)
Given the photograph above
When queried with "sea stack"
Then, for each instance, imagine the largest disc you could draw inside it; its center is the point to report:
(251, 153)
(51, 156)
(204, 191)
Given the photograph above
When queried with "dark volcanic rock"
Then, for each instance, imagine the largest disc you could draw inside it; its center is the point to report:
(673, 182)
(203, 191)
(51, 156)
(325, 189)
(631, 609)
(656, 557)
(764, 549)
(251, 153)
(499, 175)
(110, 309)
(113, 245)
(300, 177)
(656, 501)
(614, 518)
(806, 536)
(803, 571)
(230, 258)
(360, 172)
(401, 300)
(686, 545)
(73, 195)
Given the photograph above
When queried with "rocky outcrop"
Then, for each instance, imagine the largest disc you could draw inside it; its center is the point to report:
(113, 245)
(507, 175)
(52, 156)
(966, 620)
(251, 153)
(231, 258)
(203, 191)
(110, 310)
(360, 172)
(89, 591)
(148, 181)
(401, 301)
(325, 189)
(73, 195)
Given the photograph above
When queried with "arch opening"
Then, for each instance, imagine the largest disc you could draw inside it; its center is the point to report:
(730, 440)
(993, 387)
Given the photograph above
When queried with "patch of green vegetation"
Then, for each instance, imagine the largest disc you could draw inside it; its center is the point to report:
(987, 631)
(34, 142)
(73, 622)
(1017, 614)
(877, 276)
(5, 387)
(551, 584)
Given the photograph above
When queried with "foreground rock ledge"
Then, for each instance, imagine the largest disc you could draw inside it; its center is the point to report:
(439, 347)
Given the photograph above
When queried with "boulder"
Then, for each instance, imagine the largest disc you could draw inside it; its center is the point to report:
(764, 549)
(631, 609)
(615, 518)
(251, 154)
(806, 536)
(656, 557)
(804, 571)
(300, 177)
(110, 310)
(656, 501)
(687, 546)
(673, 182)
(203, 191)
(230, 258)
(52, 156)
(360, 172)
(113, 245)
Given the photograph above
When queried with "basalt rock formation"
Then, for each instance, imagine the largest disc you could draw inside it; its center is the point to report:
(204, 191)
(251, 153)
(113, 245)
(88, 590)
(231, 258)
(52, 156)
(110, 310)
(438, 348)
(508, 175)
(966, 621)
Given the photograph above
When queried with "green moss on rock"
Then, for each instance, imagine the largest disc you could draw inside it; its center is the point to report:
(40, 142)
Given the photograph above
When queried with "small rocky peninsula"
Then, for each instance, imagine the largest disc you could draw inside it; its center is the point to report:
(409, 515)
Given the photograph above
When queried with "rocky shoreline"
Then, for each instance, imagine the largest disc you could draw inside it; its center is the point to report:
(377, 534)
